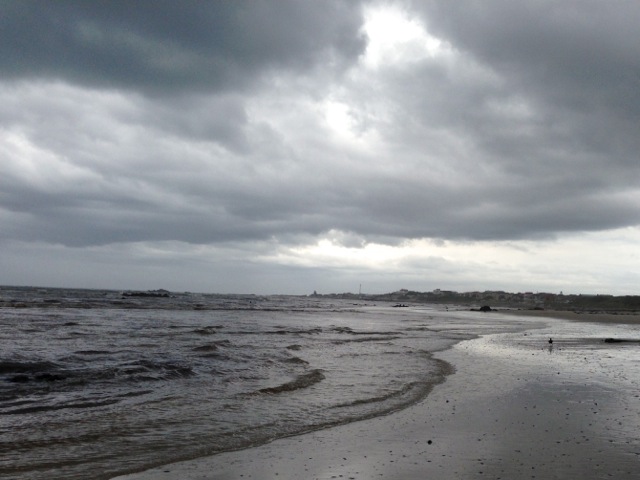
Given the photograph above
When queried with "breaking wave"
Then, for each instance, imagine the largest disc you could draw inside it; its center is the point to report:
(302, 381)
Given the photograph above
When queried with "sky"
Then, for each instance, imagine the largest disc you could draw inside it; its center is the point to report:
(286, 147)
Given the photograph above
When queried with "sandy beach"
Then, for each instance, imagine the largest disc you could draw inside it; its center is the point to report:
(594, 317)
(517, 407)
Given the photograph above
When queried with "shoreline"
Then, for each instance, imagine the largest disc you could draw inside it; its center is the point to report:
(587, 317)
(510, 410)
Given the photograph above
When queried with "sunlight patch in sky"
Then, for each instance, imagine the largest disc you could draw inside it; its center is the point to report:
(505, 265)
(338, 117)
(395, 38)
(329, 253)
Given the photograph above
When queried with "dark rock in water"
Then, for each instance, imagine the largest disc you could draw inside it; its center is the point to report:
(150, 293)
(19, 379)
(621, 340)
(484, 308)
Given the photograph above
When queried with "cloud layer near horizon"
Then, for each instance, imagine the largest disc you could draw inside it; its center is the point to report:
(318, 143)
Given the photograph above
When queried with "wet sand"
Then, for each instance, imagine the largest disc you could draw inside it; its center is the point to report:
(597, 317)
(516, 408)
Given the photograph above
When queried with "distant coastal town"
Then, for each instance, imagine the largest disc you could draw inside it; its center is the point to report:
(501, 299)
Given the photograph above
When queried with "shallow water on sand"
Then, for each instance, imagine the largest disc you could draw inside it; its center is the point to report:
(598, 380)
(94, 384)
(514, 409)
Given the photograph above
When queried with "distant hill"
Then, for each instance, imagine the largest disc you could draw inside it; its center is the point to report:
(526, 300)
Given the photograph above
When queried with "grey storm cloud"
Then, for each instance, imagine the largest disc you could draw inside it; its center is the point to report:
(154, 46)
(191, 122)
(581, 55)
(579, 62)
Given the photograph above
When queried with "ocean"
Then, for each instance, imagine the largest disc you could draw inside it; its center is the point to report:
(94, 383)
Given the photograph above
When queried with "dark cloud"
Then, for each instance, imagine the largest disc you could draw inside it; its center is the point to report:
(582, 55)
(578, 63)
(166, 45)
(536, 104)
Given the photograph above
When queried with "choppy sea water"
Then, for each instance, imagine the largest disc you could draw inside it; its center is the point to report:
(94, 384)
